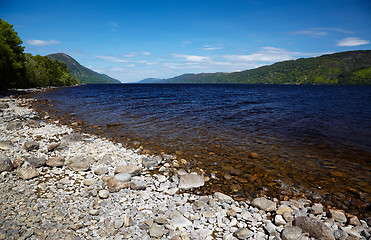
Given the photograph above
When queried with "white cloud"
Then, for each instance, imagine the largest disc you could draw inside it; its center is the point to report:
(112, 59)
(186, 43)
(131, 65)
(351, 42)
(146, 53)
(267, 54)
(192, 58)
(38, 43)
(116, 69)
(212, 47)
(318, 32)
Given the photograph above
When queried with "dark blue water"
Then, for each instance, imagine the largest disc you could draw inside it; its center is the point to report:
(311, 131)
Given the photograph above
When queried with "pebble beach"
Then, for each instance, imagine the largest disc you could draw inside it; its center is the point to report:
(57, 183)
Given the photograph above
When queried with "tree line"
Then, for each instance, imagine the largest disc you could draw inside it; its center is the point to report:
(23, 70)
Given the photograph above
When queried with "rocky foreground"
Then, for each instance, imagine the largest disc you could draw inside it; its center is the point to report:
(59, 184)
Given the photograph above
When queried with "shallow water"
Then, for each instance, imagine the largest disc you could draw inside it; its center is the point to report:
(310, 140)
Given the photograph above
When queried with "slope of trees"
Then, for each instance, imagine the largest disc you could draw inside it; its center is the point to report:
(20, 70)
(353, 67)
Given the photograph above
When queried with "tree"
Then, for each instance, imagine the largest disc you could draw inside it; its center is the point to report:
(12, 58)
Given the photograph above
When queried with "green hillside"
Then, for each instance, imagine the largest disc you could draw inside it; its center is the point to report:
(352, 67)
(85, 75)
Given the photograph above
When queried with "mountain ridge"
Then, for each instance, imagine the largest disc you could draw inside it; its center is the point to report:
(82, 73)
(351, 67)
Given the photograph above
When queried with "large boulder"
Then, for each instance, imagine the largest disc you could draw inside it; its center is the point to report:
(191, 181)
(264, 204)
(5, 164)
(314, 227)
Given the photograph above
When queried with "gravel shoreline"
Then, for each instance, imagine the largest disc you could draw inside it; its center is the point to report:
(56, 183)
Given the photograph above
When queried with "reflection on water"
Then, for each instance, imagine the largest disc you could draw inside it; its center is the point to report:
(287, 140)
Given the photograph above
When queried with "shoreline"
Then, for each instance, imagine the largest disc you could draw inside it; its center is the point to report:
(66, 184)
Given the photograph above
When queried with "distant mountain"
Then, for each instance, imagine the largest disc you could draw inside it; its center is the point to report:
(84, 74)
(353, 67)
(151, 80)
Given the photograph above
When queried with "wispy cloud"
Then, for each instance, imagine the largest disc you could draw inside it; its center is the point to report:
(38, 43)
(186, 43)
(112, 59)
(146, 53)
(134, 54)
(266, 54)
(319, 32)
(113, 26)
(351, 42)
(212, 47)
(192, 58)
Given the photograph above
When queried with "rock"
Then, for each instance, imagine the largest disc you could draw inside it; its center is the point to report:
(78, 163)
(74, 137)
(243, 233)
(288, 216)
(55, 162)
(125, 177)
(338, 216)
(278, 220)
(5, 145)
(37, 161)
(5, 164)
(269, 227)
(115, 185)
(94, 212)
(16, 125)
(208, 214)
(317, 208)
(178, 220)
(181, 236)
(131, 169)
(27, 171)
(236, 172)
(222, 197)
(314, 227)
(191, 181)
(291, 233)
(152, 162)
(4, 105)
(156, 231)
(88, 182)
(137, 185)
(18, 161)
(353, 220)
(264, 204)
(119, 223)
(52, 146)
(283, 209)
(103, 194)
(101, 170)
(31, 145)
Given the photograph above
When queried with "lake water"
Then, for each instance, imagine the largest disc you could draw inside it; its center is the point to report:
(287, 140)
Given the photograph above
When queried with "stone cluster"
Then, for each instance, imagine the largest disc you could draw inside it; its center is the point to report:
(56, 183)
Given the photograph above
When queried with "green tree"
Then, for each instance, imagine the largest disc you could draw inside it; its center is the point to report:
(12, 58)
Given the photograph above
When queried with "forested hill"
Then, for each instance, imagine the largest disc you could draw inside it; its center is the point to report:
(352, 67)
(84, 74)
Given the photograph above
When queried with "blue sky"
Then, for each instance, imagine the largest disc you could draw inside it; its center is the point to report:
(135, 39)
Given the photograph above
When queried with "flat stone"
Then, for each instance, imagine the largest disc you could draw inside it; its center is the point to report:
(291, 233)
(264, 204)
(278, 220)
(27, 171)
(156, 231)
(101, 170)
(115, 185)
(191, 181)
(137, 185)
(5, 145)
(52, 146)
(178, 220)
(55, 162)
(243, 233)
(16, 125)
(5, 164)
(125, 177)
(131, 169)
(31, 145)
(208, 214)
(37, 161)
(314, 227)
(338, 216)
(181, 236)
(283, 209)
(317, 208)
(222, 197)
(78, 163)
